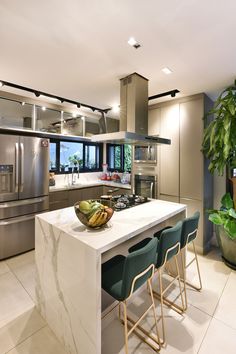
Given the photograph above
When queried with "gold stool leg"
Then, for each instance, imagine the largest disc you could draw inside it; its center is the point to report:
(126, 327)
(184, 279)
(161, 303)
(154, 309)
(198, 269)
(180, 288)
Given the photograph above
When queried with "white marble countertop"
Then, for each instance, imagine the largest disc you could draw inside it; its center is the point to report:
(123, 225)
(89, 184)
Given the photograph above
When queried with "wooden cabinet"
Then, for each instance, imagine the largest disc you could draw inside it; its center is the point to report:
(183, 174)
(118, 192)
(169, 154)
(58, 200)
(191, 158)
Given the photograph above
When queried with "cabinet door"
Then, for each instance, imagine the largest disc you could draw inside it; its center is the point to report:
(191, 158)
(169, 198)
(169, 154)
(75, 195)
(154, 121)
(58, 200)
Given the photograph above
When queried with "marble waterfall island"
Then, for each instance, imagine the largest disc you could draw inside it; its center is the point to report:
(68, 266)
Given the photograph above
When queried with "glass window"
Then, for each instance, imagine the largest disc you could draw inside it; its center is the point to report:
(127, 157)
(91, 157)
(119, 157)
(71, 154)
(53, 157)
(14, 114)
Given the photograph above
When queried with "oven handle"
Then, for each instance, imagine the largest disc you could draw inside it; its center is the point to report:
(151, 190)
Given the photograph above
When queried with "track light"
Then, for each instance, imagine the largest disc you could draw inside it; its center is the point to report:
(173, 93)
(78, 105)
(37, 94)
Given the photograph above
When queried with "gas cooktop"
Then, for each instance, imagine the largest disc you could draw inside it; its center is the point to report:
(126, 201)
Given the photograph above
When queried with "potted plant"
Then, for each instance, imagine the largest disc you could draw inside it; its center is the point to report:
(225, 221)
(219, 146)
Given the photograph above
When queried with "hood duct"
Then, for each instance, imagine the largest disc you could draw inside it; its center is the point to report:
(133, 115)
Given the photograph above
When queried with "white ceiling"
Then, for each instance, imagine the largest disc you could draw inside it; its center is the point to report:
(78, 49)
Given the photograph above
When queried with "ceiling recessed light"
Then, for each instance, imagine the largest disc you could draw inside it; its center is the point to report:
(167, 71)
(43, 108)
(132, 41)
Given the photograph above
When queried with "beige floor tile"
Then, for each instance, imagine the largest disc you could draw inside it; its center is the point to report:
(42, 342)
(23, 267)
(214, 276)
(226, 308)
(219, 339)
(4, 267)
(20, 260)
(14, 300)
(19, 329)
(184, 334)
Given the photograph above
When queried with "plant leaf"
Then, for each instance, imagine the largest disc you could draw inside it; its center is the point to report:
(232, 213)
(216, 219)
(227, 201)
(230, 227)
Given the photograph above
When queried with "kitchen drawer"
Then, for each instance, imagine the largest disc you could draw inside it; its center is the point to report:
(58, 196)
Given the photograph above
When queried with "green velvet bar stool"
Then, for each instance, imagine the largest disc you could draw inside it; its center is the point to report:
(122, 276)
(168, 248)
(189, 234)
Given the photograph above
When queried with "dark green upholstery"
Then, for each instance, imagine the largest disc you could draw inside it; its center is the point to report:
(118, 273)
(189, 225)
(167, 238)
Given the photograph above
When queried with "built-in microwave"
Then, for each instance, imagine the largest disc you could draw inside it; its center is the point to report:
(145, 154)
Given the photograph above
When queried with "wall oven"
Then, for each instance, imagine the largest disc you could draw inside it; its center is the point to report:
(146, 154)
(145, 185)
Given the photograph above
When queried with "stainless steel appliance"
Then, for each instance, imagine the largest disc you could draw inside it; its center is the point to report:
(145, 186)
(23, 190)
(145, 154)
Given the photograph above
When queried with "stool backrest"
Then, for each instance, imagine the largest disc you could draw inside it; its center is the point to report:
(169, 244)
(189, 229)
(136, 263)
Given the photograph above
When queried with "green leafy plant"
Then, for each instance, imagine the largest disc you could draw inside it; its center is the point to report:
(219, 143)
(74, 159)
(226, 216)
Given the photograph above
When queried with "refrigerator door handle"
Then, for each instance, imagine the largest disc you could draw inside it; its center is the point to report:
(22, 167)
(17, 220)
(17, 167)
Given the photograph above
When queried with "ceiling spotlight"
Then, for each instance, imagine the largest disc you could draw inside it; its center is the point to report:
(116, 108)
(167, 71)
(43, 108)
(1, 84)
(173, 93)
(23, 103)
(37, 94)
(133, 43)
(78, 105)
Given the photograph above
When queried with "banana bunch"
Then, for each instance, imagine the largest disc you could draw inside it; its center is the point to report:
(98, 218)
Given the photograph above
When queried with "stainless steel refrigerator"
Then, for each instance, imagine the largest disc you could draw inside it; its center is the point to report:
(23, 190)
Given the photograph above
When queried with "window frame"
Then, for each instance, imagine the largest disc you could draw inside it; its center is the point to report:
(83, 169)
(122, 156)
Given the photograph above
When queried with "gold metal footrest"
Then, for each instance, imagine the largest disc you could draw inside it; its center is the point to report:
(149, 338)
(169, 303)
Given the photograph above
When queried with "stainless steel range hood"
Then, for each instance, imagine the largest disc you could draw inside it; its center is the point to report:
(133, 115)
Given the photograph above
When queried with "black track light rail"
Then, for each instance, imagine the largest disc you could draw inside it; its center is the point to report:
(37, 93)
(61, 99)
(172, 93)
